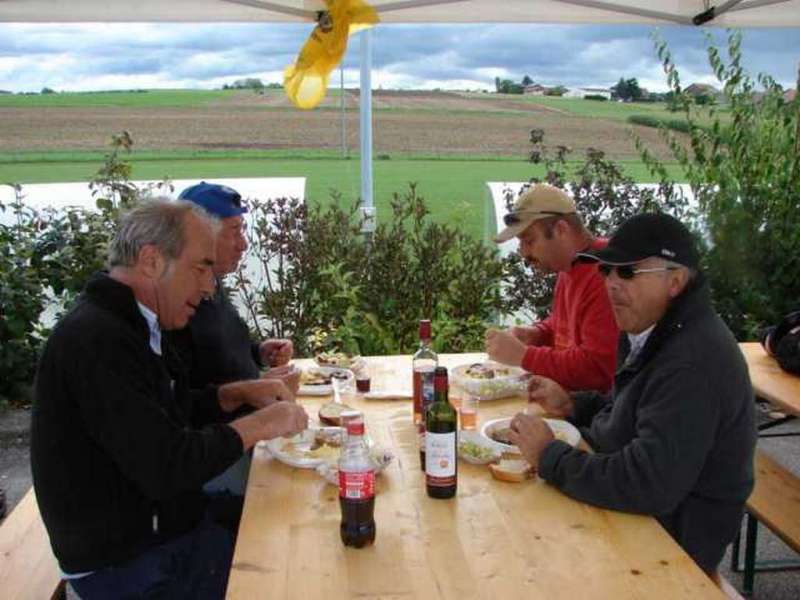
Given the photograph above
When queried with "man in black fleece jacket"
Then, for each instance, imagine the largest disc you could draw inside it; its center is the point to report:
(676, 435)
(120, 448)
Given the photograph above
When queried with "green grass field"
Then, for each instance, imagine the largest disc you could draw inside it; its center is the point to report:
(455, 188)
(143, 98)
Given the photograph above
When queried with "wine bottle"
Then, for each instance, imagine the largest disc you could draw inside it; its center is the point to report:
(441, 421)
(423, 364)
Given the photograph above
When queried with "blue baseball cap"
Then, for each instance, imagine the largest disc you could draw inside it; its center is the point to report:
(219, 200)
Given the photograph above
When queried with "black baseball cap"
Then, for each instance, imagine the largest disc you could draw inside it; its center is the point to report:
(646, 235)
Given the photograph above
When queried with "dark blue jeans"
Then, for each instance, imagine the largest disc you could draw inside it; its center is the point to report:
(195, 565)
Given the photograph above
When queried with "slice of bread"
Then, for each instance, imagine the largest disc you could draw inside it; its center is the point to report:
(331, 413)
(512, 467)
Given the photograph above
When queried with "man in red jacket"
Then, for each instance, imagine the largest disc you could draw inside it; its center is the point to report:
(576, 345)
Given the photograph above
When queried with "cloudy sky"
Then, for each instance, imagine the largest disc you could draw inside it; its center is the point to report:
(124, 56)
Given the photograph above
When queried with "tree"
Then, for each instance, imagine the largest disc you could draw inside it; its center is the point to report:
(744, 169)
(526, 80)
(506, 86)
(47, 90)
(627, 89)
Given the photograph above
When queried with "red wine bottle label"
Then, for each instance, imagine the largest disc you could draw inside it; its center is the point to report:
(357, 486)
(440, 459)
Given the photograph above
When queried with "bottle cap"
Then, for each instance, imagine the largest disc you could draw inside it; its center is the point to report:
(440, 379)
(425, 329)
(353, 422)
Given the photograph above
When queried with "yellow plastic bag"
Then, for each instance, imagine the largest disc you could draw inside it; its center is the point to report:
(306, 81)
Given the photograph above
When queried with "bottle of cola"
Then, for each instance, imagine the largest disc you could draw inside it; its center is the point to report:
(356, 485)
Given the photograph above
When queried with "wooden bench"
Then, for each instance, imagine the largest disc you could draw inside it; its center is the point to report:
(775, 502)
(28, 569)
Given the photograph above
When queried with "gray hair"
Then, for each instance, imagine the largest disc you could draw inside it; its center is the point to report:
(676, 265)
(158, 222)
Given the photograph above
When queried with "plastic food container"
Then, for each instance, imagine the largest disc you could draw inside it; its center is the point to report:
(490, 380)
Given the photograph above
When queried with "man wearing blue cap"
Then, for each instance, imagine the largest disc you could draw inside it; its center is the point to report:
(676, 435)
(221, 347)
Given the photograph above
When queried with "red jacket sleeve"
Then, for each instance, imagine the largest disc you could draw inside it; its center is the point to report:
(590, 364)
(546, 327)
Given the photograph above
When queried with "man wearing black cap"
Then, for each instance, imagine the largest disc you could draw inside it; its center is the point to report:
(675, 438)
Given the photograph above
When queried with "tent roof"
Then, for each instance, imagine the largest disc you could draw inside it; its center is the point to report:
(729, 13)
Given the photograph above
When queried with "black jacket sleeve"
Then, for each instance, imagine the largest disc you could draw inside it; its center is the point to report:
(121, 406)
(675, 427)
(255, 350)
(586, 406)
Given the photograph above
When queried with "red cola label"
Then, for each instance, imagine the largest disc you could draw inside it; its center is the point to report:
(357, 486)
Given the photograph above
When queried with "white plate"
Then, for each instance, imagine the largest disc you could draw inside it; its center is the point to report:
(563, 430)
(354, 363)
(387, 395)
(290, 450)
(329, 471)
(321, 390)
(480, 440)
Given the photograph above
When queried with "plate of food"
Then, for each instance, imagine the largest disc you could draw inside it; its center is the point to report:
(489, 380)
(497, 431)
(512, 467)
(381, 457)
(477, 449)
(342, 360)
(330, 413)
(309, 448)
(318, 381)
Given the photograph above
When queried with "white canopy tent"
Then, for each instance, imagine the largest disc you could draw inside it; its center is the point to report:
(728, 13)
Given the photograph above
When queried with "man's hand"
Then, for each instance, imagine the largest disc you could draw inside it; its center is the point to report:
(276, 352)
(531, 435)
(287, 374)
(530, 336)
(504, 347)
(279, 419)
(257, 393)
(553, 399)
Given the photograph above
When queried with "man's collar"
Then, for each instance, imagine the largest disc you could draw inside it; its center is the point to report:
(153, 326)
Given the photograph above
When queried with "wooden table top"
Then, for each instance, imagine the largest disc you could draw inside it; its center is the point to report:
(495, 540)
(770, 381)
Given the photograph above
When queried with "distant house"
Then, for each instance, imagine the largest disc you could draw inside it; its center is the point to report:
(582, 92)
(789, 95)
(534, 89)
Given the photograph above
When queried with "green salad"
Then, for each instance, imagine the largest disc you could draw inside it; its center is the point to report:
(476, 451)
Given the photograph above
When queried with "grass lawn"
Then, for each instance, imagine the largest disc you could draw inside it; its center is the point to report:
(143, 98)
(609, 109)
(454, 188)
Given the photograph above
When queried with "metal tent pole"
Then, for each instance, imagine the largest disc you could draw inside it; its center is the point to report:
(365, 109)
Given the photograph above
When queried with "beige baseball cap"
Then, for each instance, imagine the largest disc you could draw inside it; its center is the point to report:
(537, 202)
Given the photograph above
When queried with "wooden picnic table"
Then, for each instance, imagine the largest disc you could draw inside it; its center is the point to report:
(770, 382)
(495, 540)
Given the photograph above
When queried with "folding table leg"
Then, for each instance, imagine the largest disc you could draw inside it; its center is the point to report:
(750, 555)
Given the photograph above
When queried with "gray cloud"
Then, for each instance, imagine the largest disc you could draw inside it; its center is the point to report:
(80, 57)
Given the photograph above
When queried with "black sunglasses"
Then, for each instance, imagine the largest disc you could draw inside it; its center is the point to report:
(628, 271)
(513, 218)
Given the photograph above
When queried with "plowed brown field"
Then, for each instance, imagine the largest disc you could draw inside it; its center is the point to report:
(404, 122)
